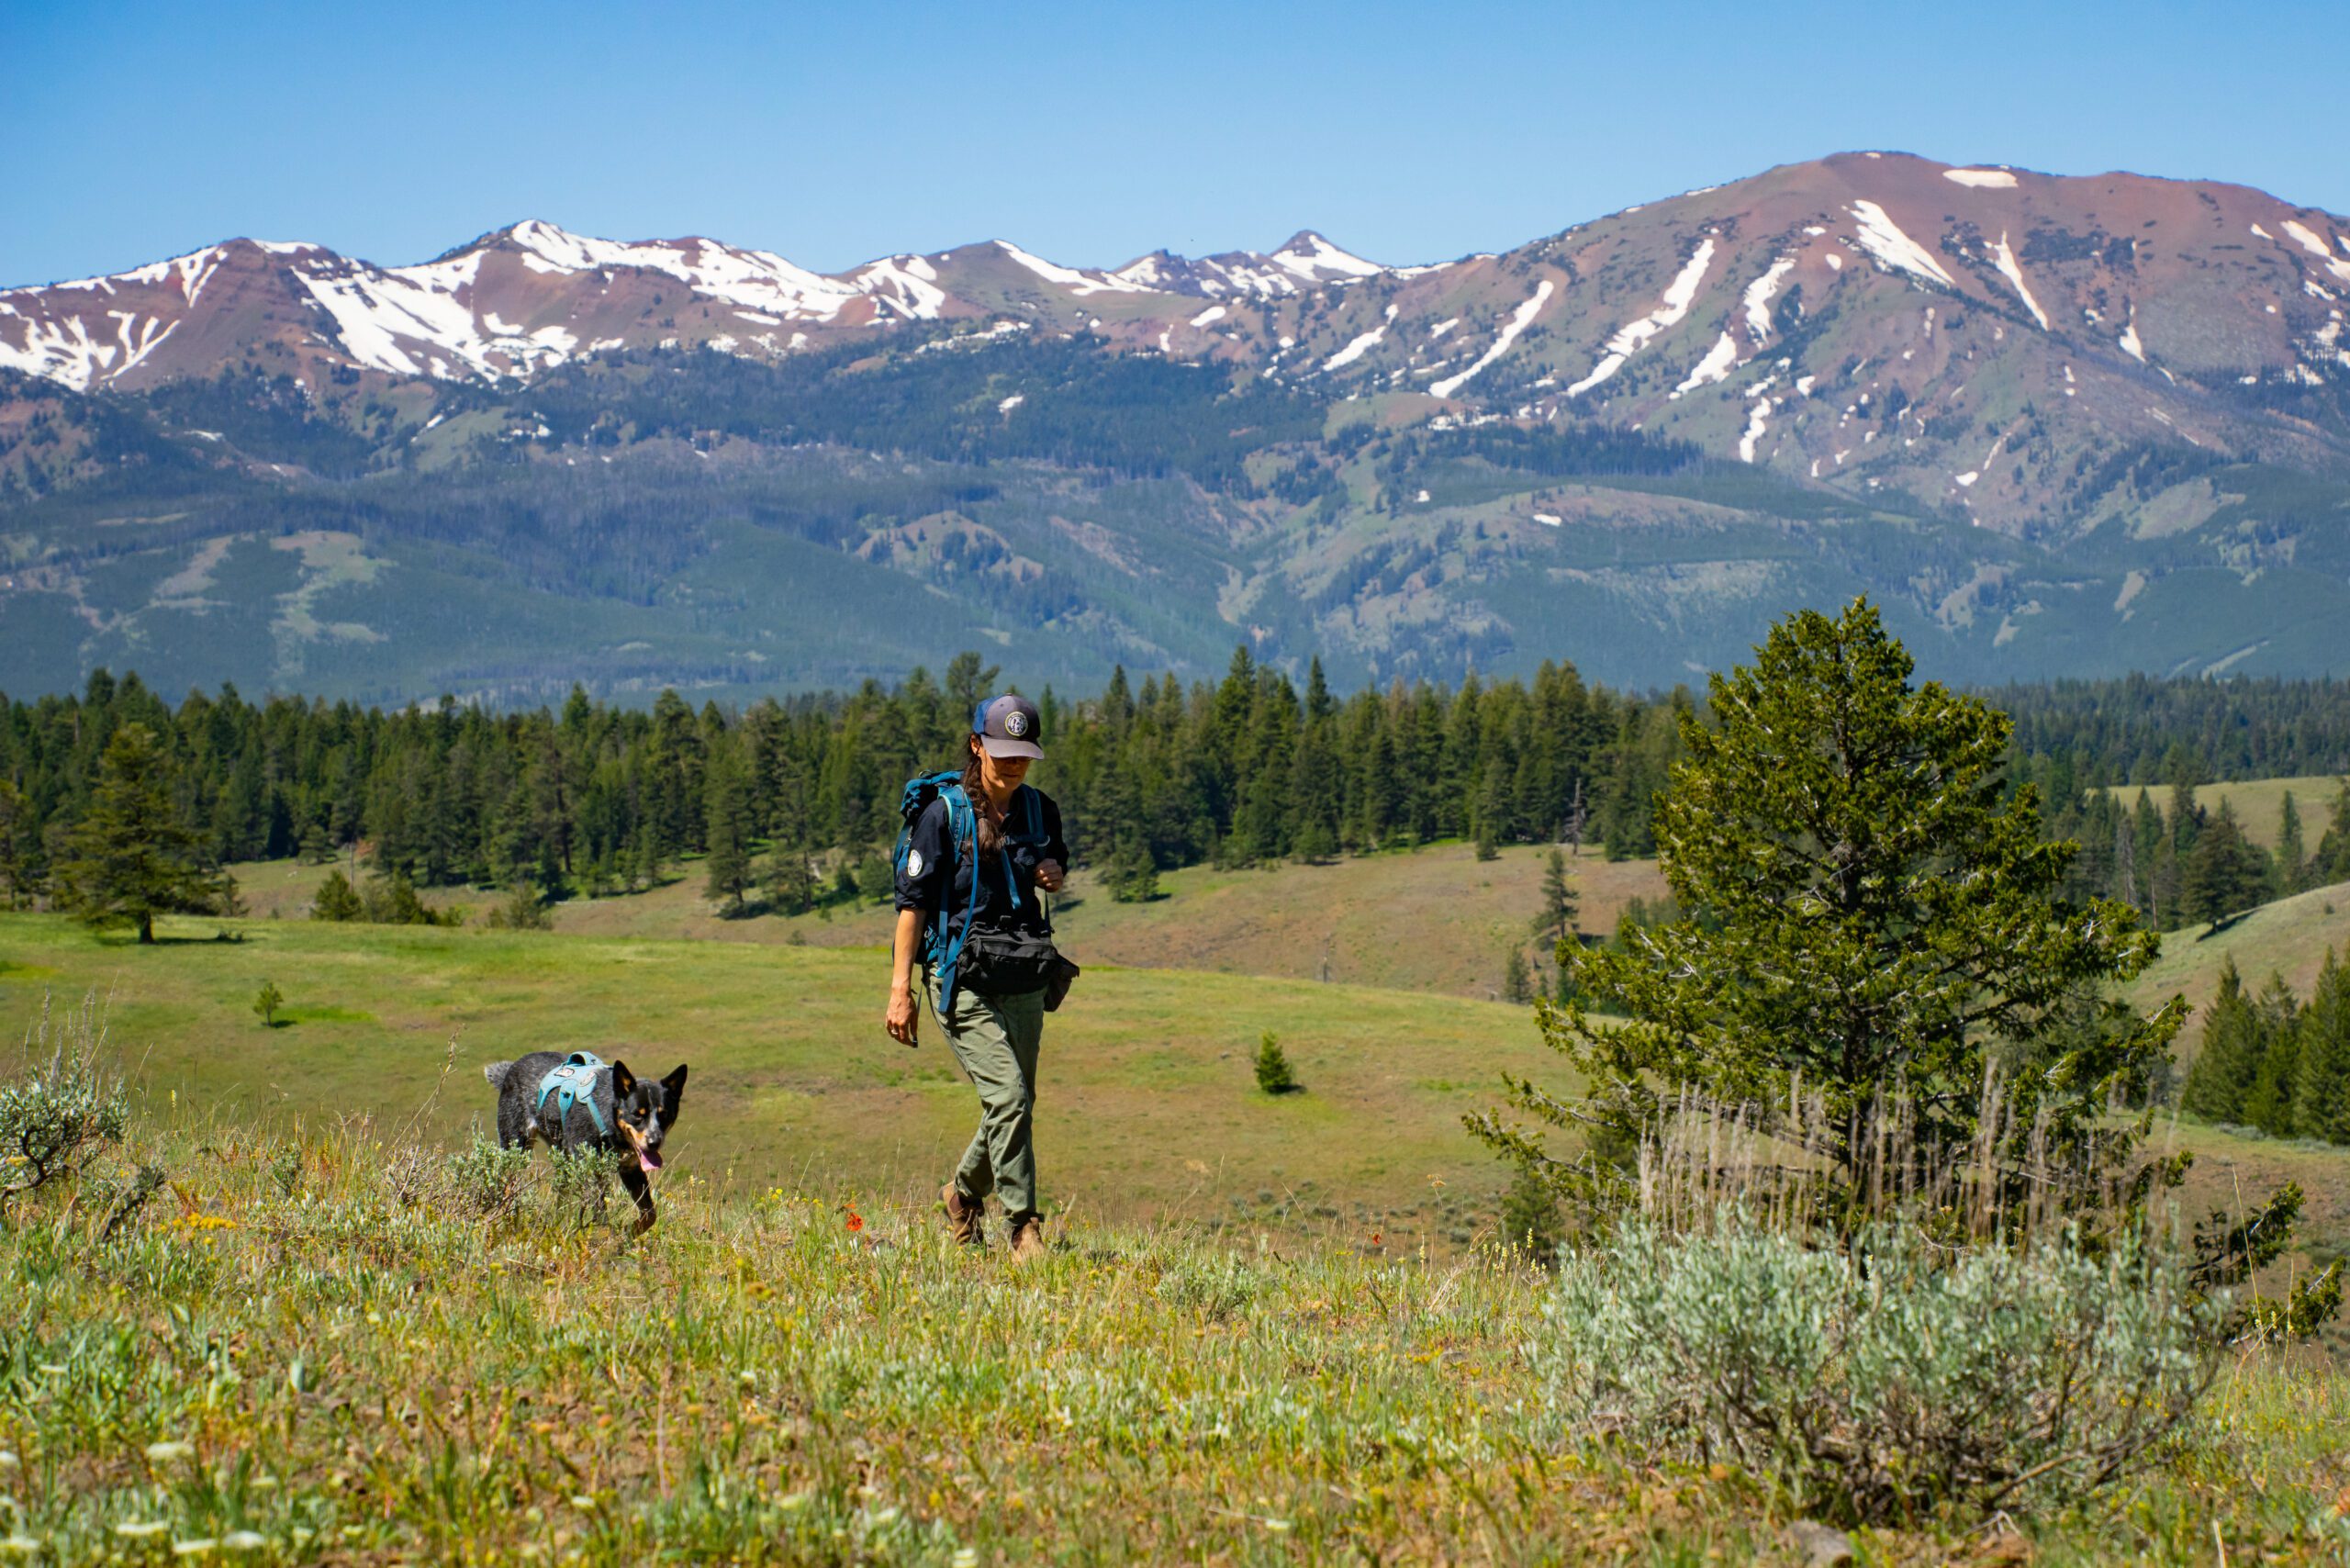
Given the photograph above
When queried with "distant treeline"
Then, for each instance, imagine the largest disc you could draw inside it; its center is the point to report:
(1244, 770)
(1150, 776)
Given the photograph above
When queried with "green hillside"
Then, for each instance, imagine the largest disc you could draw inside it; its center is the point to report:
(2258, 803)
(1148, 1107)
(1432, 919)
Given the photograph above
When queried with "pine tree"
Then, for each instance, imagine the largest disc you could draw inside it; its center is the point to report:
(2292, 854)
(2322, 1085)
(2225, 873)
(1818, 826)
(131, 857)
(2331, 862)
(728, 818)
(20, 867)
(792, 885)
(1274, 1075)
(2125, 865)
(1517, 981)
(1133, 874)
(337, 899)
(1557, 920)
(2225, 1065)
(266, 1001)
(2268, 1101)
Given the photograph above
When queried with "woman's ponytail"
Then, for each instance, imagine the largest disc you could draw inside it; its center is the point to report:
(987, 831)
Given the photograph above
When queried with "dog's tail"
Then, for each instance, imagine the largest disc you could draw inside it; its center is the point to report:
(496, 1072)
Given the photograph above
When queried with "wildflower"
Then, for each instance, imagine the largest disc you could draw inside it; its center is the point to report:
(855, 1222)
(196, 1548)
(163, 1454)
(9, 1461)
(1378, 1238)
(584, 1503)
(20, 1546)
(966, 1557)
(139, 1529)
(244, 1540)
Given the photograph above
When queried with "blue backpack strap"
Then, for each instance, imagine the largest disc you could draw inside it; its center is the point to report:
(573, 1082)
(962, 832)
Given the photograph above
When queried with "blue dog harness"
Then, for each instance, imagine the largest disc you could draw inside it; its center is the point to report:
(574, 1083)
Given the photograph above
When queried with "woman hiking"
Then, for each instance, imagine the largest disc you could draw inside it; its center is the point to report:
(967, 909)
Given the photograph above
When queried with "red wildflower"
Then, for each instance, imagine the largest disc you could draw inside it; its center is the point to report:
(856, 1221)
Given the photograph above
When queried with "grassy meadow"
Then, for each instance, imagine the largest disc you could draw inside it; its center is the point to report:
(1432, 919)
(329, 1350)
(1271, 1330)
(1151, 1108)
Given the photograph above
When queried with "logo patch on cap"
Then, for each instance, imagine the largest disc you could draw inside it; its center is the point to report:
(1015, 723)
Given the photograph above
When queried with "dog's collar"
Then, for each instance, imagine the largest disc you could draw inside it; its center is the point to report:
(574, 1083)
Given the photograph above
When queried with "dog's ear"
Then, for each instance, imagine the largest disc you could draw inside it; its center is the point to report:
(675, 1082)
(624, 1080)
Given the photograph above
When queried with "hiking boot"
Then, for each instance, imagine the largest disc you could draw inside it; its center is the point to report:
(964, 1216)
(1028, 1240)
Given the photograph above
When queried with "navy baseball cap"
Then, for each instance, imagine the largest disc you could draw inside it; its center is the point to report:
(1009, 726)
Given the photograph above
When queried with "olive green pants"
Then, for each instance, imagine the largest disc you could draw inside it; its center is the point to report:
(995, 1038)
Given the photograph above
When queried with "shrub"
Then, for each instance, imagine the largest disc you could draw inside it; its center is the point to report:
(488, 1179)
(1273, 1074)
(1530, 1216)
(1882, 1384)
(266, 1001)
(523, 910)
(64, 1109)
(337, 899)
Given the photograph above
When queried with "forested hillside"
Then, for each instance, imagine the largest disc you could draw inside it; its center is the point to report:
(787, 802)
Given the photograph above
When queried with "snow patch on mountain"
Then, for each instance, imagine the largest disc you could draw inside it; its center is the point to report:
(1716, 366)
(1311, 257)
(1883, 237)
(1982, 179)
(1360, 345)
(1678, 297)
(1070, 278)
(1756, 301)
(1519, 322)
(2005, 260)
(758, 279)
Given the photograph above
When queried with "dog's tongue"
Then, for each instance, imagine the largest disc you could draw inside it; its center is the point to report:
(648, 1158)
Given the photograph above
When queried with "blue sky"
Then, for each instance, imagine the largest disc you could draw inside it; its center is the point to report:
(1088, 133)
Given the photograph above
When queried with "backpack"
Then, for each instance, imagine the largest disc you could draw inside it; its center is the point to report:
(941, 944)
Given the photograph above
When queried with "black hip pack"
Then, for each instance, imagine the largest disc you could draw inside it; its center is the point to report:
(1009, 963)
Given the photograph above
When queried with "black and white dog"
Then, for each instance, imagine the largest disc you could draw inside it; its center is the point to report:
(576, 1101)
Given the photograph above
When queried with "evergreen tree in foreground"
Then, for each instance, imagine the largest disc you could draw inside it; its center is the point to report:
(1868, 920)
(132, 857)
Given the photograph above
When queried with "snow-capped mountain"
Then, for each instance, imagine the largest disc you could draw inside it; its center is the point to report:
(2054, 423)
(1956, 333)
(521, 299)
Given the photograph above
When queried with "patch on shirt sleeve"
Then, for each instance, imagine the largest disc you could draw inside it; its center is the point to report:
(913, 864)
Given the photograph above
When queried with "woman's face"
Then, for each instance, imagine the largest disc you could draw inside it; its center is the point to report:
(1002, 774)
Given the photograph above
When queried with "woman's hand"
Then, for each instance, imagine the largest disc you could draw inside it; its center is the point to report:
(1048, 875)
(903, 1017)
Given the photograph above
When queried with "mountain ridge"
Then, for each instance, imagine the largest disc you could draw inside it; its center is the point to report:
(2056, 421)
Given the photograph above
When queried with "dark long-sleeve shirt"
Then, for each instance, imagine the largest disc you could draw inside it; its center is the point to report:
(1007, 879)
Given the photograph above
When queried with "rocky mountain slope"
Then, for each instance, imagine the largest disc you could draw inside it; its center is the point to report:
(2052, 420)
